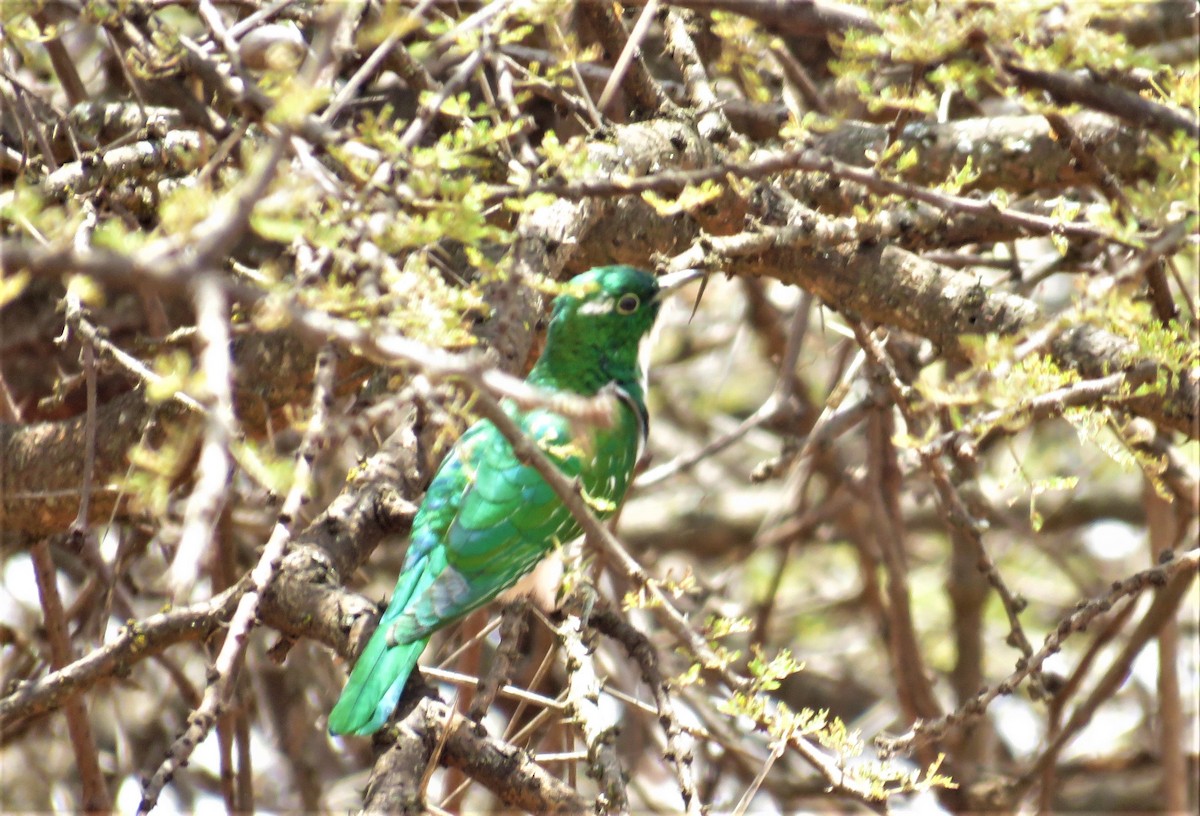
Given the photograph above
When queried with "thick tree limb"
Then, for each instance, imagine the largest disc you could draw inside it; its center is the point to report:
(1017, 154)
(1105, 96)
(889, 286)
(509, 772)
(40, 479)
(797, 18)
(882, 283)
(136, 641)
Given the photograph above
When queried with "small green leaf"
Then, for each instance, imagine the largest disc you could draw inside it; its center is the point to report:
(11, 287)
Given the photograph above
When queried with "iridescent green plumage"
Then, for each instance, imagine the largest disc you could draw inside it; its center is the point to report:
(487, 519)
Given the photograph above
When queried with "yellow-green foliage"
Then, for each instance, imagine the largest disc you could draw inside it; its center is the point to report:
(264, 465)
(719, 626)
(744, 45)
(26, 207)
(783, 724)
(1171, 194)
(676, 588)
(1172, 347)
(938, 35)
(938, 39)
(176, 372)
(568, 161)
(153, 470)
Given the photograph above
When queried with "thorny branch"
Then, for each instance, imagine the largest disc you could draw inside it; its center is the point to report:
(233, 651)
(596, 532)
(681, 140)
(583, 707)
(950, 503)
(215, 465)
(1186, 564)
(679, 742)
(96, 798)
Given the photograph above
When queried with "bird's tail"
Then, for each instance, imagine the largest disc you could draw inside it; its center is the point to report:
(375, 684)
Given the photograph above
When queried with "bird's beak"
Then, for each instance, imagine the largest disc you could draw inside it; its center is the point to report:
(669, 283)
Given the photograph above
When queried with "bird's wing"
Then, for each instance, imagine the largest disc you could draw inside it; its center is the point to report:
(478, 542)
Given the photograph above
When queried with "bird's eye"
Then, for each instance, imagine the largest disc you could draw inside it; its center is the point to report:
(627, 304)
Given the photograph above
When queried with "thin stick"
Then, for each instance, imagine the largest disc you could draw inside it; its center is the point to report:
(233, 650)
(95, 792)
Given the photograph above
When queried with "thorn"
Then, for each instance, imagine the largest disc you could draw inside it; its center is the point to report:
(699, 295)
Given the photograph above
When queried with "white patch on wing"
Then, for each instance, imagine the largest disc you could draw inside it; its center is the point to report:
(447, 591)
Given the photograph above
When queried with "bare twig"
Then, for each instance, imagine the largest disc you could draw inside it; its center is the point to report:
(1112, 624)
(630, 52)
(88, 332)
(74, 310)
(809, 18)
(95, 798)
(214, 468)
(429, 111)
(225, 756)
(883, 491)
(1176, 573)
(135, 641)
(950, 503)
(9, 412)
(712, 124)
(232, 654)
(512, 629)
(63, 62)
(598, 726)
(503, 768)
(678, 625)
(1105, 96)
(244, 782)
(799, 77)
(1173, 580)
(644, 93)
(777, 750)
(679, 741)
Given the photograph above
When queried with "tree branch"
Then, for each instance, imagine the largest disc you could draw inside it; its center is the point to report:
(1176, 573)
(95, 793)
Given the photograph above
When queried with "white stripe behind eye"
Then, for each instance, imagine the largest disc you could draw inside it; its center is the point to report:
(596, 307)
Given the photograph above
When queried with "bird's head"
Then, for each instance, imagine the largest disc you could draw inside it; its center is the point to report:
(603, 313)
(618, 303)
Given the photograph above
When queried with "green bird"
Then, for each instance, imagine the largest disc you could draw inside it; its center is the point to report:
(487, 519)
